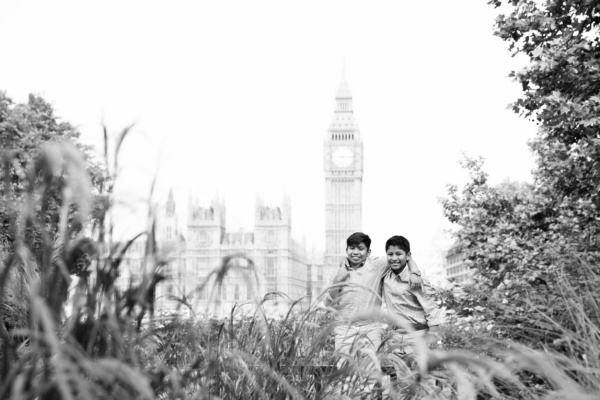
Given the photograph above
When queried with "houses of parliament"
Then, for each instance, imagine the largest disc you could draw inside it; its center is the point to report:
(282, 264)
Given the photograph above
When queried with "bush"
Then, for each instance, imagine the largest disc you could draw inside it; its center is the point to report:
(112, 345)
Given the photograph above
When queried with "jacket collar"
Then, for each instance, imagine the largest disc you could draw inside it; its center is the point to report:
(403, 276)
(367, 262)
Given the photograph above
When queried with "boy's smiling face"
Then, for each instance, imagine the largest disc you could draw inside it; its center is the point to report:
(357, 254)
(397, 258)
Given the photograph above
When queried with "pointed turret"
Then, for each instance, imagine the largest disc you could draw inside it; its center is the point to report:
(168, 222)
(170, 206)
(344, 90)
(343, 126)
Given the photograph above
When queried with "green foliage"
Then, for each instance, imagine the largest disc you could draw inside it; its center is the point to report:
(524, 241)
(535, 249)
(561, 88)
(562, 82)
(498, 229)
(24, 128)
(565, 321)
(29, 136)
(534, 279)
(112, 346)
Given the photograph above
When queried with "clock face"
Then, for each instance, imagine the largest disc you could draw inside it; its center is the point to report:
(343, 156)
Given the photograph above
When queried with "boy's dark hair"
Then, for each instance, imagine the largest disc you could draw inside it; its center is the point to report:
(357, 238)
(399, 241)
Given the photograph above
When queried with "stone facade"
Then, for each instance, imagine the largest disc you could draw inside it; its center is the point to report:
(282, 264)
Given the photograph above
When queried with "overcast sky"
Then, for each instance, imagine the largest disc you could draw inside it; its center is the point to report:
(236, 96)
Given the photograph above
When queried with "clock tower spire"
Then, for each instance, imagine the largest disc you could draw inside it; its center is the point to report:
(343, 165)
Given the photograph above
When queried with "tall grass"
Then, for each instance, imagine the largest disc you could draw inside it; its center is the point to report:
(113, 344)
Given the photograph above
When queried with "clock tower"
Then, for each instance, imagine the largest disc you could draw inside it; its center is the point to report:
(343, 164)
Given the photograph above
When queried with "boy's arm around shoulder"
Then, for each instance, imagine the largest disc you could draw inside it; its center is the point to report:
(414, 281)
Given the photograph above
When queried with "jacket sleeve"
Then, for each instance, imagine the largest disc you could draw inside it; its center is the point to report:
(328, 298)
(433, 314)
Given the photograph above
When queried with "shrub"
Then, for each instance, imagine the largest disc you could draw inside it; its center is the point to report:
(112, 344)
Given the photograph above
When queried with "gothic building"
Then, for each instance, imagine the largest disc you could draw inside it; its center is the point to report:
(283, 264)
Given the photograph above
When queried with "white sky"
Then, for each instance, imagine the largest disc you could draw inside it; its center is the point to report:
(236, 97)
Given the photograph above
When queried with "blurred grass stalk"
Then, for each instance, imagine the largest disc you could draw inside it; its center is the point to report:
(110, 346)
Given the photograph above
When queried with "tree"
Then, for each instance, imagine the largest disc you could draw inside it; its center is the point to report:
(559, 216)
(525, 240)
(561, 92)
(48, 178)
(24, 130)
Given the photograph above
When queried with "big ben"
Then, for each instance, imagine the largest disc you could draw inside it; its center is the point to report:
(343, 164)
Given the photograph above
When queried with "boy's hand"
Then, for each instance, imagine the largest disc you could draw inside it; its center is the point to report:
(415, 282)
(341, 275)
